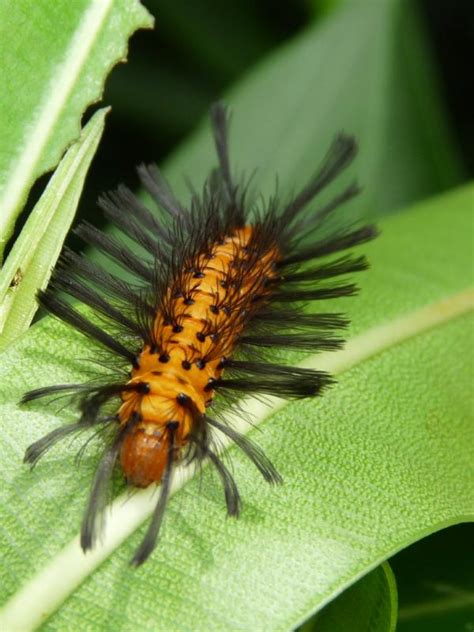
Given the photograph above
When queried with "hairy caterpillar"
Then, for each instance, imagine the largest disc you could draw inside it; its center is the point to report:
(214, 290)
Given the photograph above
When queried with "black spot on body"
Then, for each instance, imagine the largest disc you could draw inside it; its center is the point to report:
(143, 387)
(210, 384)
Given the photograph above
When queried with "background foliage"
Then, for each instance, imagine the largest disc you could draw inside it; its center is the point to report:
(415, 97)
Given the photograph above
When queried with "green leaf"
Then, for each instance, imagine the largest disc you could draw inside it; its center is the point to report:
(32, 258)
(55, 58)
(370, 605)
(364, 69)
(383, 459)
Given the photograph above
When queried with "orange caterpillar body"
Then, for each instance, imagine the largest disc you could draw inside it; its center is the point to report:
(178, 382)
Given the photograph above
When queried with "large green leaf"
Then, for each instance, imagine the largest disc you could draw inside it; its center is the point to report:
(364, 69)
(29, 264)
(385, 458)
(55, 57)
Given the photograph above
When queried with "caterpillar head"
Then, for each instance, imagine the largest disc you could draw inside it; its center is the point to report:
(144, 454)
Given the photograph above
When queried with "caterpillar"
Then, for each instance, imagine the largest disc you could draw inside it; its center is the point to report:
(216, 285)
